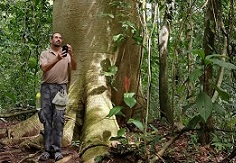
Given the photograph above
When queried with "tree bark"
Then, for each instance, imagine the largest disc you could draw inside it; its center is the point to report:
(166, 110)
(189, 37)
(163, 73)
(89, 29)
(211, 18)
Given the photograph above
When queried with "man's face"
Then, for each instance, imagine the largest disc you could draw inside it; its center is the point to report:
(56, 40)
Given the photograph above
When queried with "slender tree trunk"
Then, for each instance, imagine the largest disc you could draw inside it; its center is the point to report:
(189, 37)
(190, 63)
(165, 107)
(211, 19)
(163, 74)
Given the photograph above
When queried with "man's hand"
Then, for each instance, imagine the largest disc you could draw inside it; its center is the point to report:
(61, 55)
(48, 66)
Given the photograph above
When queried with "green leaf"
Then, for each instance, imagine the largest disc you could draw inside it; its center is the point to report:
(231, 122)
(219, 109)
(137, 123)
(188, 106)
(107, 14)
(222, 63)
(111, 15)
(204, 105)
(127, 25)
(195, 74)
(138, 39)
(223, 94)
(36, 2)
(114, 111)
(129, 99)
(156, 139)
(111, 71)
(118, 38)
(215, 55)
(154, 128)
(193, 122)
(129, 95)
(199, 52)
(119, 136)
(98, 158)
(121, 132)
(32, 62)
(10, 96)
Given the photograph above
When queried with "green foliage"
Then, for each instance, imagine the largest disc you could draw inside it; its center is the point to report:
(221, 142)
(194, 76)
(115, 111)
(219, 109)
(204, 105)
(194, 122)
(98, 159)
(223, 94)
(129, 99)
(25, 26)
(199, 105)
(211, 59)
(111, 72)
(76, 143)
(134, 142)
(120, 135)
(137, 123)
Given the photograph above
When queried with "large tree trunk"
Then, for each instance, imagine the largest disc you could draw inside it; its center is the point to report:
(90, 33)
(88, 28)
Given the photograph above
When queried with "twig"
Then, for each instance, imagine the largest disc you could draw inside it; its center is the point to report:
(10, 152)
(167, 145)
(3, 120)
(7, 115)
(29, 156)
(231, 156)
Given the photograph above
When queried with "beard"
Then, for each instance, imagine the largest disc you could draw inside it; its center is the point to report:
(57, 44)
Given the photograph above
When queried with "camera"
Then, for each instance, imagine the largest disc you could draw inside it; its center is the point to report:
(65, 50)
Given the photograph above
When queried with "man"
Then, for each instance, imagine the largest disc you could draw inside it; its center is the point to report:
(55, 64)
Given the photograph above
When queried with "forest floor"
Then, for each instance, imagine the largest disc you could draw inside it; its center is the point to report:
(181, 151)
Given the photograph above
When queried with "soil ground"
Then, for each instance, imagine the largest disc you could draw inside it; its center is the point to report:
(182, 151)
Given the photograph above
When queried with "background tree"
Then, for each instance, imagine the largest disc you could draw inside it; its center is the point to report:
(165, 106)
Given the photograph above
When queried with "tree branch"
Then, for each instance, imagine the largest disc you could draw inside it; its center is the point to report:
(7, 115)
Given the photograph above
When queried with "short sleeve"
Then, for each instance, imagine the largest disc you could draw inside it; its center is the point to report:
(43, 58)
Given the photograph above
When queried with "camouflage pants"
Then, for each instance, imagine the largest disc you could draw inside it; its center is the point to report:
(53, 120)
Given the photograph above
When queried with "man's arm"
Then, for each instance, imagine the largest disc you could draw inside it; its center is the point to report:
(47, 66)
(73, 63)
